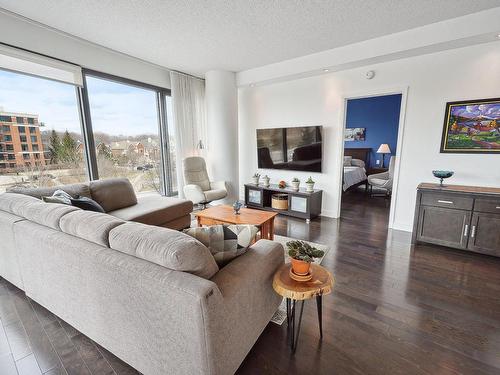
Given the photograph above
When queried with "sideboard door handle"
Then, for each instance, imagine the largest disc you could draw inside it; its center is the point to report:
(473, 232)
(447, 202)
(497, 207)
(466, 230)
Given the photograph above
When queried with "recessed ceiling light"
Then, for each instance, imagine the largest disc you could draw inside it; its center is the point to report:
(326, 70)
(252, 85)
(498, 36)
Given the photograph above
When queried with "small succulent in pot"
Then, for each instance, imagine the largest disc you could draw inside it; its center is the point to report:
(296, 183)
(310, 184)
(302, 255)
(255, 178)
(266, 180)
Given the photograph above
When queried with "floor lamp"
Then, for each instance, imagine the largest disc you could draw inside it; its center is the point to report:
(383, 149)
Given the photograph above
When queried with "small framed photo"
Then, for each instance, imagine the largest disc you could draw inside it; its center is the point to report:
(354, 134)
(472, 126)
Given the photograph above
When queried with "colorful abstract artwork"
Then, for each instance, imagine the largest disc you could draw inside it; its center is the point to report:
(472, 126)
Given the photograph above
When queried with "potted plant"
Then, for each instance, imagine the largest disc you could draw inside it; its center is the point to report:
(265, 180)
(302, 255)
(255, 178)
(295, 183)
(310, 185)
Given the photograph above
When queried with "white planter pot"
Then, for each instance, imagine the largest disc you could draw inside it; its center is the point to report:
(310, 186)
(255, 180)
(295, 185)
(265, 181)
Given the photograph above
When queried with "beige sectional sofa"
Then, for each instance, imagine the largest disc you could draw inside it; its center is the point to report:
(117, 198)
(152, 296)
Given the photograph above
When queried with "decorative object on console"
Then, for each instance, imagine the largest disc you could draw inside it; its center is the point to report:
(354, 134)
(282, 184)
(266, 180)
(302, 254)
(236, 207)
(442, 175)
(279, 201)
(296, 184)
(383, 149)
(472, 126)
(310, 185)
(255, 178)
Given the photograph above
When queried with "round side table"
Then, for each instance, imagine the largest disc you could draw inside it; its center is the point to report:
(321, 283)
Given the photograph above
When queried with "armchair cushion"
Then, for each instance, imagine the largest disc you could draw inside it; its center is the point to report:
(194, 193)
(213, 195)
(225, 242)
(195, 172)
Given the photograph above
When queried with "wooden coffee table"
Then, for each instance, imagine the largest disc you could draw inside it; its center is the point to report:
(224, 214)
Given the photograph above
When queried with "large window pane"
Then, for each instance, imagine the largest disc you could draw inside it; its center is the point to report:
(126, 133)
(40, 133)
(171, 145)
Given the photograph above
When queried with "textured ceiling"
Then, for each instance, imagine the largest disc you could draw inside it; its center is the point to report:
(196, 36)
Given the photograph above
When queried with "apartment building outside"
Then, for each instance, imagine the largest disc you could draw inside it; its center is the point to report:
(20, 141)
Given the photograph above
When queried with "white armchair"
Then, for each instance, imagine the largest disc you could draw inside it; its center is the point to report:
(199, 189)
(383, 180)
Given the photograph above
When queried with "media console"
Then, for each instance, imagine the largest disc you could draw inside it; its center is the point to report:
(302, 204)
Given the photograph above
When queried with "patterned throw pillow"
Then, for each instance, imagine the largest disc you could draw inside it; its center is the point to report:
(225, 242)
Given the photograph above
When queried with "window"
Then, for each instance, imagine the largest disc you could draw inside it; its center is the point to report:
(4, 118)
(126, 133)
(8, 138)
(171, 144)
(24, 147)
(34, 147)
(6, 128)
(12, 165)
(20, 120)
(59, 138)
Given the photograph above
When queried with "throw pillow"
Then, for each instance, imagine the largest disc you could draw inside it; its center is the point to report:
(59, 196)
(225, 242)
(87, 204)
(347, 161)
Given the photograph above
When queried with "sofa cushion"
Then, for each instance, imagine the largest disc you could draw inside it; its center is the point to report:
(74, 190)
(91, 226)
(166, 247)
(48, 214)
(113, 194)
(225, 242)
(155, 210)
(9, 200)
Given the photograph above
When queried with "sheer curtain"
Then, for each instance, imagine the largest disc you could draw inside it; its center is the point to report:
(188, 109)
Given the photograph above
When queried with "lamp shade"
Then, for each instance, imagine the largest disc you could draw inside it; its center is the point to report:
(384, 149)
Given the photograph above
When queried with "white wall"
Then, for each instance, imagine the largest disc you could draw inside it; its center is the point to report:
(221, 98)
(432, 80)
(20, 32)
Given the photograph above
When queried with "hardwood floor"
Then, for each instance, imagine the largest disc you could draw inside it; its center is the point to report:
(394, 310)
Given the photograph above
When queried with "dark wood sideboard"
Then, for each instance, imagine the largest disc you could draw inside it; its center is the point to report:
(462, 217)
(301, 203)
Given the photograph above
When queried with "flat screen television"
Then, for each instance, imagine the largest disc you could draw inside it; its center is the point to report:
(297, 148)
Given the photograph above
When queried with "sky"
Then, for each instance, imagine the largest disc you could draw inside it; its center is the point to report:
(115, 108)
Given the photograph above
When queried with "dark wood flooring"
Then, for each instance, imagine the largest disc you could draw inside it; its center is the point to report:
(394, 310)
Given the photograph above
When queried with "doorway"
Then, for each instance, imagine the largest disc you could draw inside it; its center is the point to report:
(371, 147)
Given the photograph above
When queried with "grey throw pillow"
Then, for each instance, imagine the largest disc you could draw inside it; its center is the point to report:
(87, 204)
(225, 242)
(59, 196)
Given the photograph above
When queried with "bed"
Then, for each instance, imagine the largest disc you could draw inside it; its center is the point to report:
(356, 160)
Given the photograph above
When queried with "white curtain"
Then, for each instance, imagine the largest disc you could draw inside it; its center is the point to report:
(188, 108)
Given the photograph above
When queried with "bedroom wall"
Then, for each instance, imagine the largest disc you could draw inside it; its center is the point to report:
(379, 115)
(432, 80)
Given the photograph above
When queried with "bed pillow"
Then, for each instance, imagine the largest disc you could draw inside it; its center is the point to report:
(347, 161)
(357, 163)
(225, 242)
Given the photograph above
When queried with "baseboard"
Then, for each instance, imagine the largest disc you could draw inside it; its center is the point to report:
(328, 213)
(406, 227)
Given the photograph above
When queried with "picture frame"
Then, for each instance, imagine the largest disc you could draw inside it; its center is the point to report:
(355, 134)
(471, 127)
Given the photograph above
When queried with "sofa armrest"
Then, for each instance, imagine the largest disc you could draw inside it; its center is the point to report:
(194, 193)
(218, 185)
(252, 273)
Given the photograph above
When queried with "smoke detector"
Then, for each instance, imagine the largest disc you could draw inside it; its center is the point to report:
(370, 74)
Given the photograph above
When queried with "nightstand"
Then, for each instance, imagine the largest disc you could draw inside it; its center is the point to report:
(376, 170)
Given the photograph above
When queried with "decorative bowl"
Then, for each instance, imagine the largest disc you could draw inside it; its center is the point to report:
(442, 175)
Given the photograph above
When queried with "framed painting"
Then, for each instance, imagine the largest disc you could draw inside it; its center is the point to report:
(472, 126)
(354, 134)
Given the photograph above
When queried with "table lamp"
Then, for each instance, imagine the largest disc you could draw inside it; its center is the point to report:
(383, 149)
